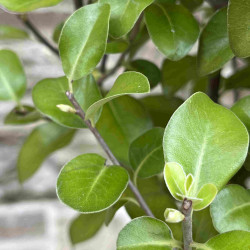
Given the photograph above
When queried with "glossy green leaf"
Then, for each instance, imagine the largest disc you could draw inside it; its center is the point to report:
(22, 115)
(191, 4)
(238, 80)
(233, 240)
(230, 209)
(57, 32)
(146, 154)
(127, 83)
(238, 27)
(50, 92)
(242, 109)
(146, 233)
(208, 140)
(207, 193)
(214, 50)
(122, 121)
(203, 228)
(161, 108)
(9, 32)
(27, 5)
(85, 226)
(115, 47)
(43, 141)
(147, 68)
(12, 76)
(88, 186)
(172, 28)
(175, 75)
(83, 40)
(173, 216)
(124, 15)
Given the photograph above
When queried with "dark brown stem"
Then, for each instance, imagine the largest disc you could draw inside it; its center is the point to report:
(103, 64)
(78, 4)
(214, 86)
(39, 36)
(186, 209)
(107, 150)
(235, 68)
(218, 4)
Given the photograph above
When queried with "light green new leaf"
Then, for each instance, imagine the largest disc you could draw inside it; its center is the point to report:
(208, 140)
(83, 40)
(214, 50)
(88, 186)
(172, 28)
(127, 83)
(230, 209)
(27, 5)
(161, 108)
(173, 216)
(43, 140)
(176, 75)
(146, 153)
(146, 233)
(22, 115)
(238, 27)
(85, 226)
(207, 194)
(9, 32)
(115, 47)
(175, 177)
(242, 109)
(147, 68)
(12, 77)
(189, 181)
(124, 15)
(121, 122)
(50, 92)
(234, 240)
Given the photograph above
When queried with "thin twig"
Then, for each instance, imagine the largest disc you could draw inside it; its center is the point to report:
(107, 150)
(214, 86)
(78, 4)
(39, 36)
(103, 64)
(235, 68)
(186, 209)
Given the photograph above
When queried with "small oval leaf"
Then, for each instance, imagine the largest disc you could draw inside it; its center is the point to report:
(9, 32)
(173, 216)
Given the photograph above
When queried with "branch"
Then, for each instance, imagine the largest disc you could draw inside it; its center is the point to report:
(78, 4)
(39, 36)
(214, 86)
(186, 209)
(107, 150)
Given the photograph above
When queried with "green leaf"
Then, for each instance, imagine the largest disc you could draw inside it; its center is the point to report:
(122, 121)
(57, 32)
(175, 177)
(208, 140)
(203, 228)
(83, 40)
(214, 50)
(124, 15)
(175, 75)
(147, 68)
(88, 186)
(189, 181)
(127, 83)
(27, 5)
(191, 4)
(238, 80)
(172, 28)
(242, 110)
(229, 241)
(116, 47)
(173, 216)
(43, 141)
(85, 226)
(9, 32)
(207, 194)
(12, 76)
(50, 92)
(146, 233)
(22, 115)
(230, 209)
(146, 154)
(238, 27)
(161, 108)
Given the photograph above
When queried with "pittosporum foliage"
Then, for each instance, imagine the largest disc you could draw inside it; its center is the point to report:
(172, 161)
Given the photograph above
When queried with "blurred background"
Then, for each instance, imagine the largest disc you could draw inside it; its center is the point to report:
(31, 216)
